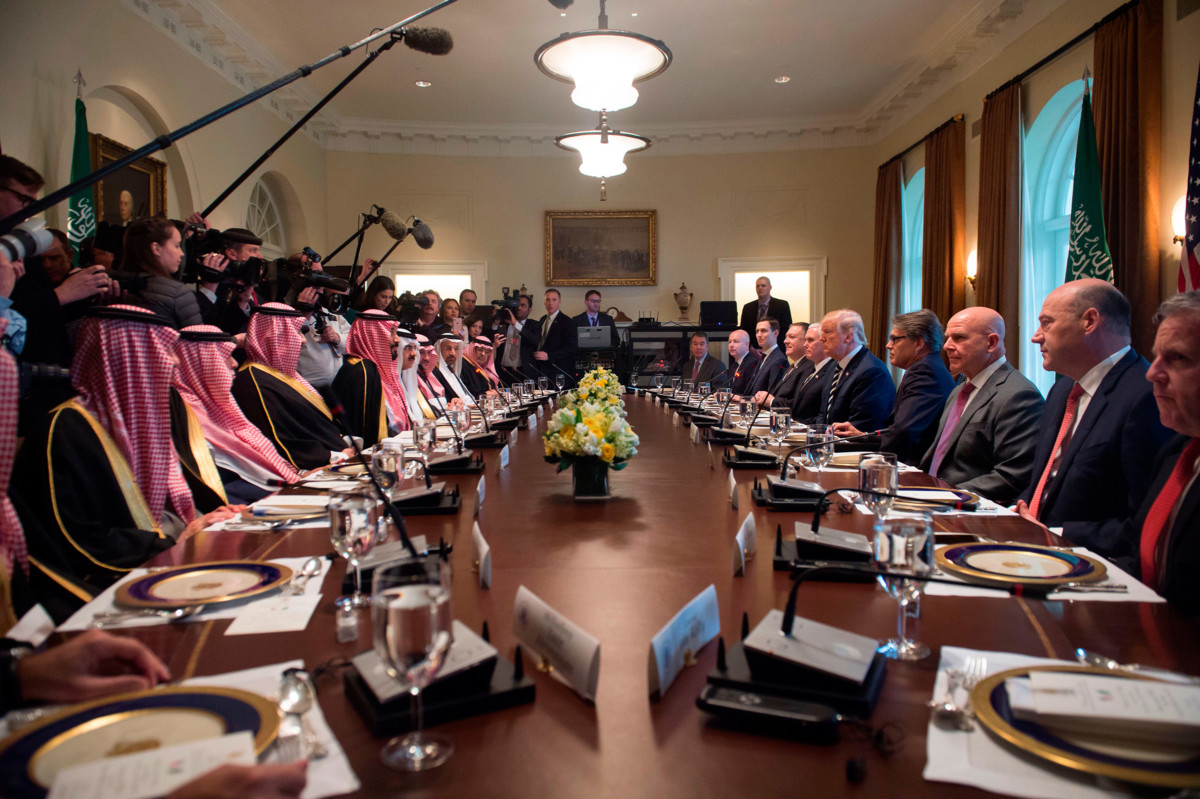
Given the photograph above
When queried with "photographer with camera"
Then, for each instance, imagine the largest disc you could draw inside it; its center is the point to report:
(215, 286)
(518, 341)
(322, 298)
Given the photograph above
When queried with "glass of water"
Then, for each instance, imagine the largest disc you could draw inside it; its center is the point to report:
(747, 409)
(425, 439)
(658, 382)
(877, 472)
(386, 465)
(543, 384)
(819, 449)
(559, 382)
(412, 621)
(903, 546)
(353, 528)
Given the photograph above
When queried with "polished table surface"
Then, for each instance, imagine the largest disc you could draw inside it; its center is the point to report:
(621, 569)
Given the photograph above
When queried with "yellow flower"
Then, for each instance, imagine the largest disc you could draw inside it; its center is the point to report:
(606, 452)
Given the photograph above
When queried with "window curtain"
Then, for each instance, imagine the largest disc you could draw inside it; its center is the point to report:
(889, 251)
(943, 262)
(1127, 98)
(998, 282)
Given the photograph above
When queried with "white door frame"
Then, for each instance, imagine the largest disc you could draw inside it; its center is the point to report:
(816, 266)
(476, 269)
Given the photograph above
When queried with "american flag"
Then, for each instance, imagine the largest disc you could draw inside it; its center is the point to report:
(1189, 265)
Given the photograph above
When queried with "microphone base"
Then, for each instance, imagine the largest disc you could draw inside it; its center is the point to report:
(457, 465)
(493, 440)
(763, 497)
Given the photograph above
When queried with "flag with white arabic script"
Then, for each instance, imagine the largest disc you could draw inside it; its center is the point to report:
(81, 214)
(1088, 254)
(1189, 266)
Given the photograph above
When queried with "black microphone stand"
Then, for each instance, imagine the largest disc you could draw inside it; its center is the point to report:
(165, 140)
(817, 445)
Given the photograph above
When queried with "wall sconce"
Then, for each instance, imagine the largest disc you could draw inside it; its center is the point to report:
(1178, 226)
(972, 267)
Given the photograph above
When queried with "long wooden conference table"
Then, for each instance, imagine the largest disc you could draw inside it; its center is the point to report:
(621, 569)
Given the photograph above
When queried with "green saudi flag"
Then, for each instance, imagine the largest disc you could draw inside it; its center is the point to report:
(1088, 253)
(81, 213)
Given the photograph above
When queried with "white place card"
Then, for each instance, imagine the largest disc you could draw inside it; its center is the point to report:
(154, 772)
(695, 434)
(683, 636)
(541, 408)
(483, 556)
(34, 627)
(279, 613)
(468, 649)
(832, 537)
(480, 493)
(733, 492)
(553, 638)
(675, 419)
(745, 544)
(503, 457)
(818, 646)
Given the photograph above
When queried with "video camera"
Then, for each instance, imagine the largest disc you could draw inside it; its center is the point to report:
(200, 241)
(409, 307)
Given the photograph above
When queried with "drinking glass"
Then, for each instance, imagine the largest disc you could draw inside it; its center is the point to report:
(747, 409)
(528, 387)
(658, 382)
(411, 619)
(543, 384)
(386, 464)
(704, 389)
(904, 546)
(781, 425)
(877, 471)
(675, 381)
(425, 439)
(353, 528)
(817, 456)
(559, 382)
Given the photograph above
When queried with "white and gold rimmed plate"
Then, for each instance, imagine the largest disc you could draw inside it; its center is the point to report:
(211, 583)
(1005, 563)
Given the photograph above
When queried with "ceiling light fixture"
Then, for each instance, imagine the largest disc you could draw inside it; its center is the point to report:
(602, 150)
(603, 64)
(424, 84)
(782, 79)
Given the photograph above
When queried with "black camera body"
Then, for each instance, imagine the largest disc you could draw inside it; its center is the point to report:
(200, 241)
(409, 307)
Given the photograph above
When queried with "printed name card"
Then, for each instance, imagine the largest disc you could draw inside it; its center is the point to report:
(155, 772)
(733, 492)
(695, 434)
(745, 544)
(541, 408)
(682, 637)
(480, 492)
(675, 419)
(817, 646)
(483, 557)
(504, 457)
(559, 642)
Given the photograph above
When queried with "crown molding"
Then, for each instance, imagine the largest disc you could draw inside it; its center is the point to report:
(209, 34)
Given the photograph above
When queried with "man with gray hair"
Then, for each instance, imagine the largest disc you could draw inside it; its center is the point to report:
(861, 390)
(988, 428)
(1100, 430)
(915, 345)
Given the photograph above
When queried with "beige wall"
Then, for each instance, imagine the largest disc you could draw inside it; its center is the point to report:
(810, 203)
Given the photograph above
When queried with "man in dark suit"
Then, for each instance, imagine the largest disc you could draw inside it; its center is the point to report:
(808, 397)
(799, 367)
(1100, 431)
(593, 316)
(915, 346)
(988, 429)
(743, 362)
(555, 354)
(861, 390)
(516, 342)
(774, 363)
(702, 367)
(765, 307)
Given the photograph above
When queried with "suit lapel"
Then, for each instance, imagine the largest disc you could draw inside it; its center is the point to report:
(982, 397)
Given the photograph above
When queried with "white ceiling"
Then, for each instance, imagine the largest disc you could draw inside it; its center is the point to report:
(858, 68)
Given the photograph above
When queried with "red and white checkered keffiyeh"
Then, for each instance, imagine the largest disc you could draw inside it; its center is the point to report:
(12, 537)
(276, 341)
(122, 371)
(203, 379)
(371, 338)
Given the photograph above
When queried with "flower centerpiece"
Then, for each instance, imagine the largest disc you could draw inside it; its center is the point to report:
(589, 433)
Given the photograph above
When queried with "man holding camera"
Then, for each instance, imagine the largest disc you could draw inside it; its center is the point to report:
(518, 341)
(324, 298)
(239, 245)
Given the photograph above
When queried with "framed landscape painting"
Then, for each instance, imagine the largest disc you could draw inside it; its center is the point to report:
(137, 190)
(601, 248)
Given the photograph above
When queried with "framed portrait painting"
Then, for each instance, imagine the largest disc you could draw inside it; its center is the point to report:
(601, 248)
(139, 189)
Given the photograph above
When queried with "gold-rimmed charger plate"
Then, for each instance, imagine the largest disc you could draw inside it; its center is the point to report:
(909, 498)
(127, 723)
(1101, 756)
(1005, 563)
(212, 583)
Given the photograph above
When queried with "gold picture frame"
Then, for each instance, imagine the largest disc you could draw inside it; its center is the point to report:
(601, 248)
(145, 181)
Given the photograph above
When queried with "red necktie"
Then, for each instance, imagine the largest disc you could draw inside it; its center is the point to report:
(1063, 430)
(956, 413)
(1160, 511)
(695, 371)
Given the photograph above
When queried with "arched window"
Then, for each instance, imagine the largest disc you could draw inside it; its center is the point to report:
(913, 203)
(1049, 159)
(264, 220)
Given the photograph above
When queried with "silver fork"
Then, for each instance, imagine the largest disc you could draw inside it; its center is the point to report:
(975, 671)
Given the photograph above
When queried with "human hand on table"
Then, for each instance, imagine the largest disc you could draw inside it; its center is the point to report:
(247, 782)
(89, 666)
(209, 519)
(1023, 511)
(845, 429)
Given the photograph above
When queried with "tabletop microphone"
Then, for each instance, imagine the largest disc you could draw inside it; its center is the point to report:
(953, 504)
(816, 444)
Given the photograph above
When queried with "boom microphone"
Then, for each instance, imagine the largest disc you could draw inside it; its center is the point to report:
(434, 41)
(562, 5)
(421, 234)
(394, 225)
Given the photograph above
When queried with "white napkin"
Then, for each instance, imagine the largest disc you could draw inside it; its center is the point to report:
(1137, 591)
(329, 776)
(104, 602)
(977, 759)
